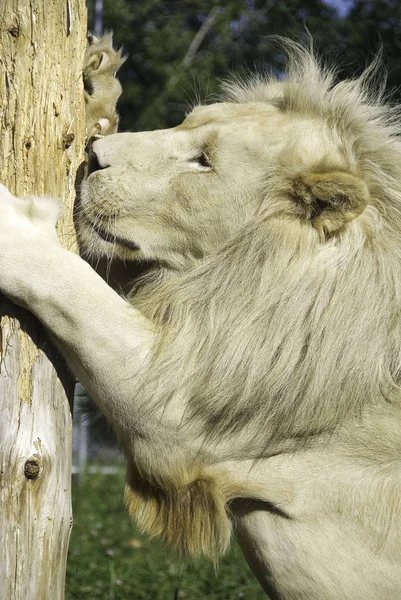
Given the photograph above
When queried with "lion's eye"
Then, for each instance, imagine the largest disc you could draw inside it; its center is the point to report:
(203, 160)
(200, 161)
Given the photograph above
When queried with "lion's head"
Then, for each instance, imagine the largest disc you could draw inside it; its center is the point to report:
(278, 211)
(176, 196)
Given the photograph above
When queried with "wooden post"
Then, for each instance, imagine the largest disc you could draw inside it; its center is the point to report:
(42, 133)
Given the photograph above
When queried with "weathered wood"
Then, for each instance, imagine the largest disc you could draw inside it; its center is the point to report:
(42, 133)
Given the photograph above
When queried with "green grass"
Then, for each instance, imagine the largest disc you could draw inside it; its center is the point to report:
(109, 559)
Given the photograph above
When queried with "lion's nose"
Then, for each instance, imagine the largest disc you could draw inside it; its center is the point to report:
(94, 163)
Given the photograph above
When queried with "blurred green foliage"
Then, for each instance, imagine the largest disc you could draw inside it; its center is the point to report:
(163, 78)
(109, 560)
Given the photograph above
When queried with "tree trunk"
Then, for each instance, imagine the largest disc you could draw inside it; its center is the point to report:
(42, 44)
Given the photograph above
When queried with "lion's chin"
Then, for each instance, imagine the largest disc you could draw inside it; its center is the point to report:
(96, 242)
(115, 239)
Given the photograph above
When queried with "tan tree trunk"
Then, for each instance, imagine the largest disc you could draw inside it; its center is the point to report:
(42, 44)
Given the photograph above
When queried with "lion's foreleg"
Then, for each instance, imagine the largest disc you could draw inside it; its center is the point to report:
(174, 488)
(171, 490)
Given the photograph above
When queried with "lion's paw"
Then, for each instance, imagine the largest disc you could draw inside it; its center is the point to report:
(27, 239)
(102, 89)
(41, 210)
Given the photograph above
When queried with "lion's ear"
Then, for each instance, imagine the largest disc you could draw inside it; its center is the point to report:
(329, 200)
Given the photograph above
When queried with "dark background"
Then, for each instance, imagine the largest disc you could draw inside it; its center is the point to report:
(162, 79)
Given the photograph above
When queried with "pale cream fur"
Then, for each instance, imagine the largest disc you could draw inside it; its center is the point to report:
(254, 380)
(101, 87)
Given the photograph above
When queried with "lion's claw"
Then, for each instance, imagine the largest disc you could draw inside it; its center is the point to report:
(102, 89)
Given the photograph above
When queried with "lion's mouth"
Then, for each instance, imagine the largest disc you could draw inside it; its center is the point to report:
(114, 239)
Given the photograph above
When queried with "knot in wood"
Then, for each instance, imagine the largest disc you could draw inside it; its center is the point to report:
(14, 31)
(68, 138)
(32, 467)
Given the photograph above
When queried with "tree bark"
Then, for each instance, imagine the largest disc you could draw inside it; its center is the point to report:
(42, 134)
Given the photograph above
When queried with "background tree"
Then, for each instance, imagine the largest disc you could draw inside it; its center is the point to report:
(160, 84)
(41, 144)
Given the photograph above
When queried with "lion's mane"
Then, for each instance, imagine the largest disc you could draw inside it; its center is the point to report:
(280, 332)
(283, 334)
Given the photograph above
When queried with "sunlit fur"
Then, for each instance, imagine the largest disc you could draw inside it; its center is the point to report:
(102, 89)
(283, 333)
(290, 332)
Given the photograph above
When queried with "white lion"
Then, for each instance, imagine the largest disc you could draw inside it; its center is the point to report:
(254, 379)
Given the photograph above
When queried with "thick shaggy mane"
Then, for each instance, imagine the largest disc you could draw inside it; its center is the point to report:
(286, 334)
